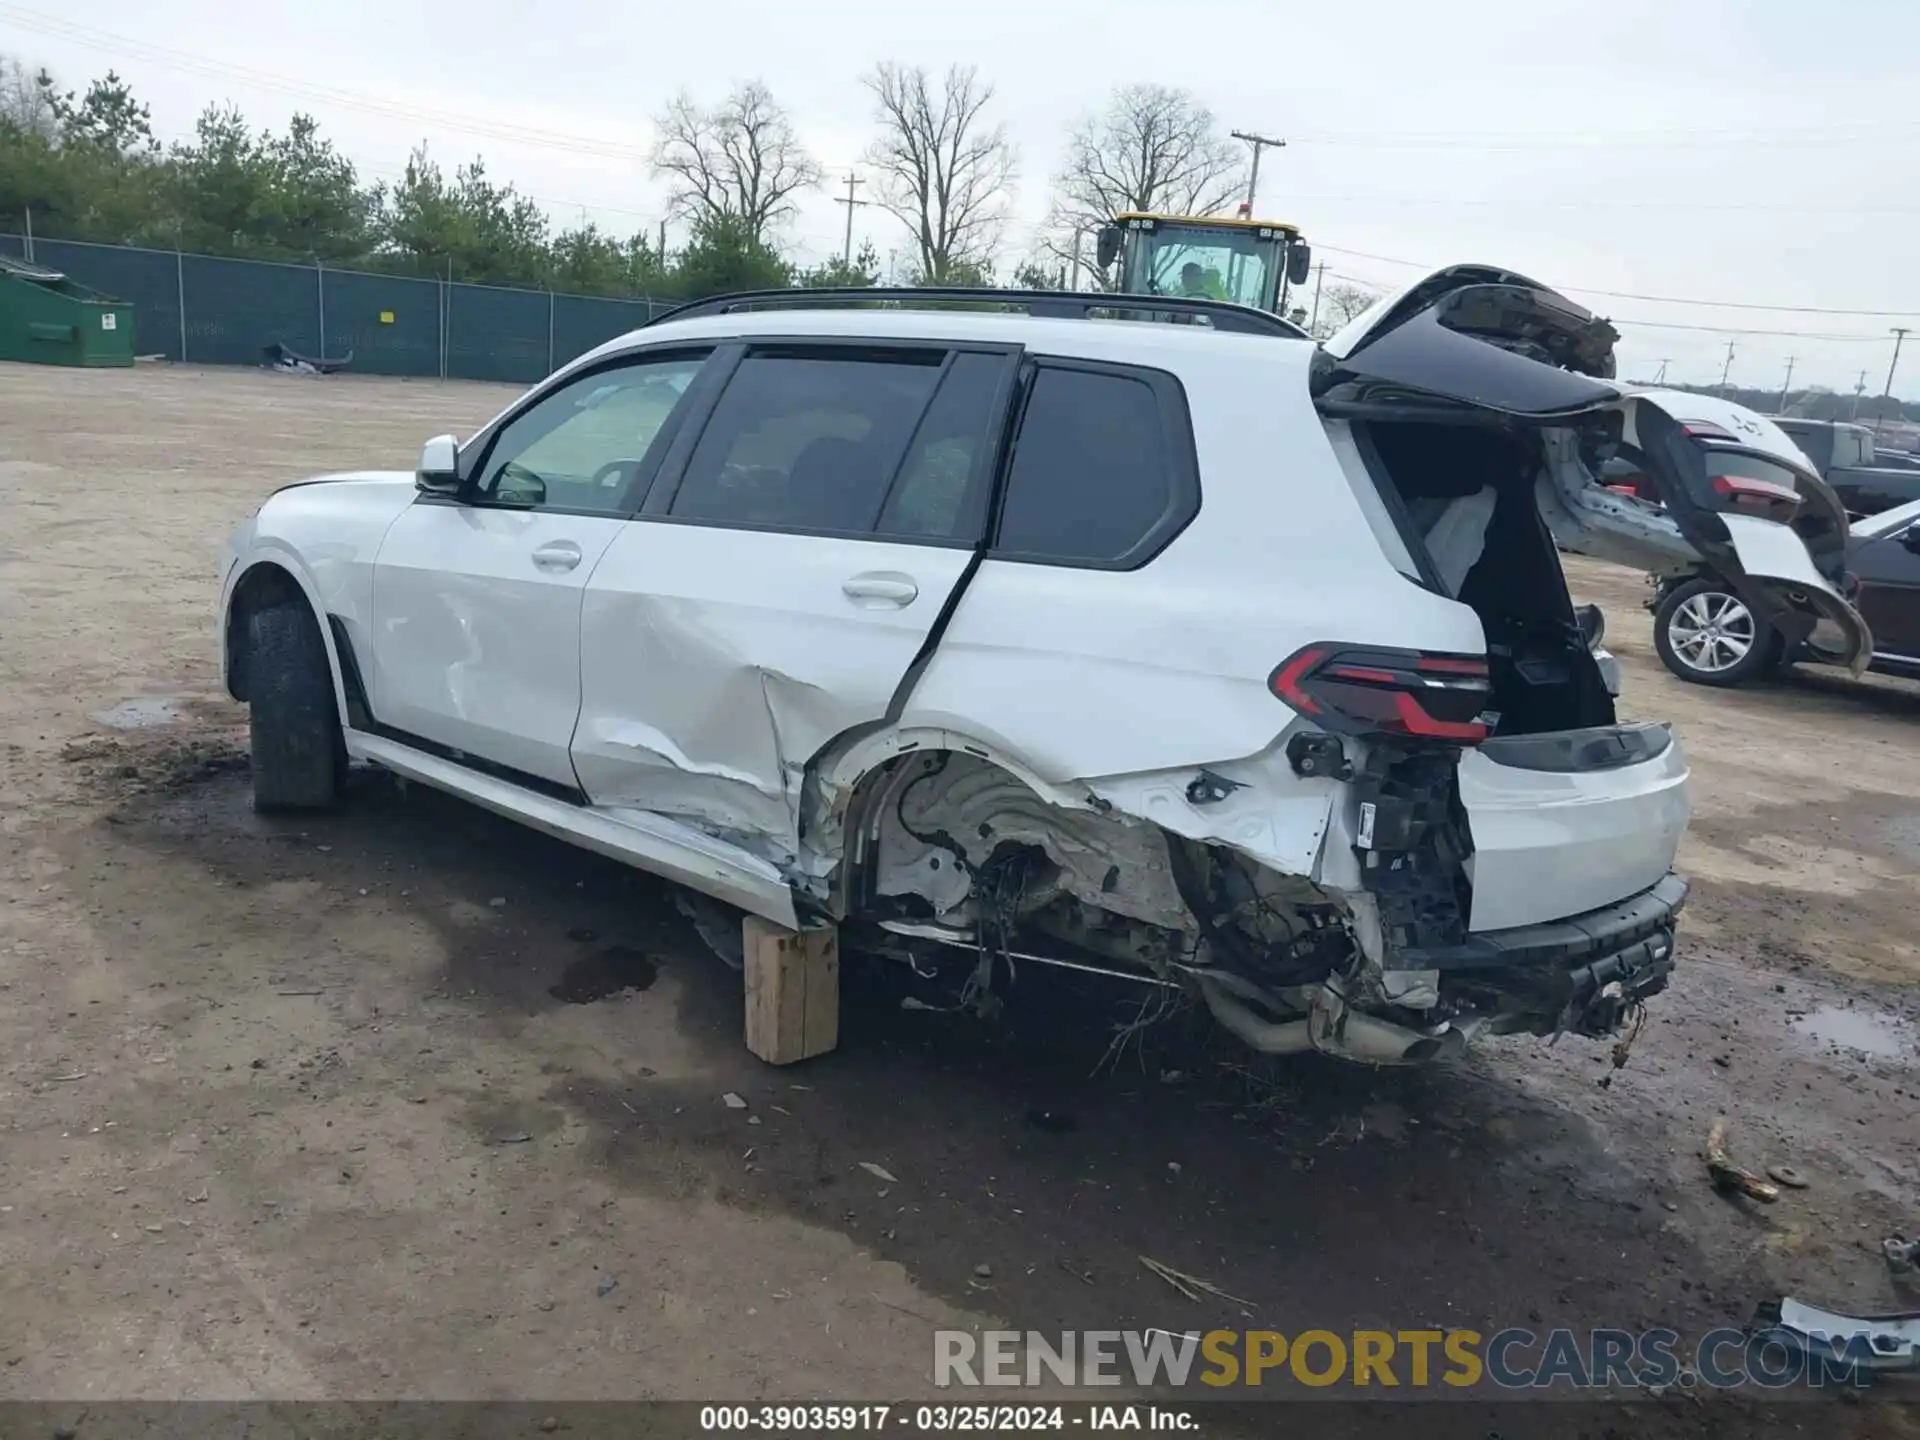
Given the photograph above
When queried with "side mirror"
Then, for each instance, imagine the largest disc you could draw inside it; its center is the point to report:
(439, 472)
(1299, 262)
(1106, 245)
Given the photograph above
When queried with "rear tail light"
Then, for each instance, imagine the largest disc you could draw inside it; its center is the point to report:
(1744, 495)
(1388, 692)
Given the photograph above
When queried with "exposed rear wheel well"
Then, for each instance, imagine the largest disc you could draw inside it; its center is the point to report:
(264, 587)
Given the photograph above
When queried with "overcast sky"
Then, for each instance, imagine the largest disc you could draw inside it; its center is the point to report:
(1759, 152)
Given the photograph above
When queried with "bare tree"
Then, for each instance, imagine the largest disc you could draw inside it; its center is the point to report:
(740, 160)
(1339, 304)
(26, 99)
(1151, 148)
(940, 168)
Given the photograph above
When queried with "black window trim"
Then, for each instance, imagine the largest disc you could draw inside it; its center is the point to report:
(1182, 460)
(667, 478)
(477, 452)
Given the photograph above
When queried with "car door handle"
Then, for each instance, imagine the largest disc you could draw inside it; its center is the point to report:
(880, 589)
(557, 555)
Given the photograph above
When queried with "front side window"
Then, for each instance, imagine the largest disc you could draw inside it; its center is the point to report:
(1099, 476)
(588, 445)
(808, 441)
(1214, 266)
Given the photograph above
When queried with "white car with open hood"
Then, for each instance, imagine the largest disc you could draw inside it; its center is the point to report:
(1194, 653)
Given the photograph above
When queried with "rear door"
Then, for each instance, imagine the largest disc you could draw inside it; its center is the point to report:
(1475, 338)
(1887, 561)
(784, 574)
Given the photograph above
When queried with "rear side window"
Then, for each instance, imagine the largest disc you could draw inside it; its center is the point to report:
(808, 441)
(1103, 473)
(941, 490)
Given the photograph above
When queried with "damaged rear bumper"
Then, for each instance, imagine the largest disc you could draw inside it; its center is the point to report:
(1584, 973)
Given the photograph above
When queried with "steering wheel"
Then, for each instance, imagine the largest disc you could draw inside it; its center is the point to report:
(622, 468)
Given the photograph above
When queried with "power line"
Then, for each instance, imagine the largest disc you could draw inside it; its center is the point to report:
(1800, 138)
(1259, 143)
(1531, 205)
(846, 253)
(1656, 299)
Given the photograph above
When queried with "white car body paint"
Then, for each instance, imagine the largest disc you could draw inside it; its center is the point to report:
(711, 698)
(476, 630)
(719, 662)
(325, 533)
(1548, 845)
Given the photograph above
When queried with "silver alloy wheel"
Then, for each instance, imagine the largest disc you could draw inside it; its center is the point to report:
(1713, 631)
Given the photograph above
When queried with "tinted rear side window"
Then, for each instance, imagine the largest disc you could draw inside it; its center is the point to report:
(1102, 472)
(941, 490)
(808, 441)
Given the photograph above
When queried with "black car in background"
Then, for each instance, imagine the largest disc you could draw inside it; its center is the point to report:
(1867, 480)
(1706, 633)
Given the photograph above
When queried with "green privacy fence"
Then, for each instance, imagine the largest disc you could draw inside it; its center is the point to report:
(217, 311)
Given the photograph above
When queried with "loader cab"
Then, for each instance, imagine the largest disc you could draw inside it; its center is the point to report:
(1247, 262)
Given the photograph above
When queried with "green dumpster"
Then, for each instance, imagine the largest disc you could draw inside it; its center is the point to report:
(47, 319)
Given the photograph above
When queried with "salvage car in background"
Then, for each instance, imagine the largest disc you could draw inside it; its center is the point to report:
(1867, 480)
(1193, 654)
(1706, 632)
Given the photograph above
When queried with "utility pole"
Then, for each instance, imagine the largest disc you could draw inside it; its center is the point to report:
(661, 253)
(1727, 369)
(1786, 385)
(1259, 143)
(1319, 278)
(1661, 375)
(1900, 333)
(846, 253)
(1859, 389)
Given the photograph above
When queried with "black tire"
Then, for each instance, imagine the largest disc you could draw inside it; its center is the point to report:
(299, 754)
(1702, 654)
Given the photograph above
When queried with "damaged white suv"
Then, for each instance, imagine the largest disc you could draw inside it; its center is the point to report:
(1047, 630)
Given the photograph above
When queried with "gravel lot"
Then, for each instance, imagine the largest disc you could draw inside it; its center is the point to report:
(289, 1109)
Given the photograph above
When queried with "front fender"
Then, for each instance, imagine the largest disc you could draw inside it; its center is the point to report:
(282, 558)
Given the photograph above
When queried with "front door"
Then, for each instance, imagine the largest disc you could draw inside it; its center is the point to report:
(775, 593)
(1888, 566)
(476, 600)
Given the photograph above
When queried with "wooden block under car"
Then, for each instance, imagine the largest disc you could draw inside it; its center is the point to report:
(793, 990)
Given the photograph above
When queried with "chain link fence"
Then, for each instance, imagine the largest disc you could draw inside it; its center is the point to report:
(216, 311)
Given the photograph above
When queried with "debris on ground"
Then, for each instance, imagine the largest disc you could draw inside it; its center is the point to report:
(717, 924)
(983, 1271)
(1191, 1286)
(517, 1137)
(1623, 1047)
(1726, 1175)
(1903, 1254)
(733, 1101)
(879, 1172)
(1787, 1176)
(608, 1284)
(1878, 1343)
(498, 902)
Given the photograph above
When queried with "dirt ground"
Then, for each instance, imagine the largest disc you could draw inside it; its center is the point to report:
(342, 1107)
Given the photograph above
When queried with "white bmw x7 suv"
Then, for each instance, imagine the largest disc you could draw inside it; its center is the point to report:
(1196, 653)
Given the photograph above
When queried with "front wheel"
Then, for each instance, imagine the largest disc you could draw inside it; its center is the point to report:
(299, 756)
(1707, 635)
